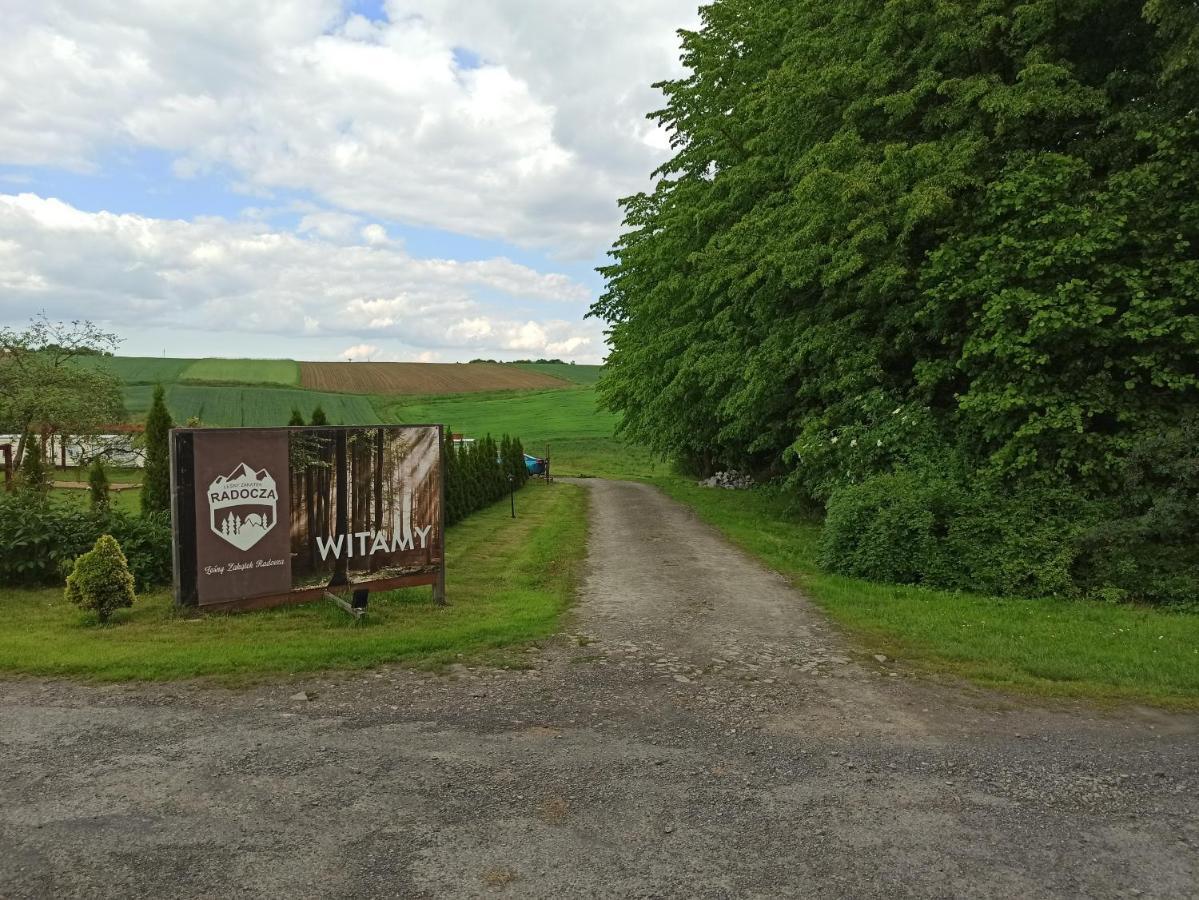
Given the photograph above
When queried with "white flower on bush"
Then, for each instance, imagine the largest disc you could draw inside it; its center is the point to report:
(834, 440)
(854, 442)
(878, 443)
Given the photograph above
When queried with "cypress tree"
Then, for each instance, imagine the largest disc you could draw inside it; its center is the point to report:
(156, 485)
(448, 473)
(297, 418)
(522, 471)
(97, 485)
(33, 476)
(319, 417)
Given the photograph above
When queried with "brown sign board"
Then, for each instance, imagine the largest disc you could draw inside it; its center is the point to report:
(264, 516)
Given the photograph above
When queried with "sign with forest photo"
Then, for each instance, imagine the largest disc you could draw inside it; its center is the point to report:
(264, 516)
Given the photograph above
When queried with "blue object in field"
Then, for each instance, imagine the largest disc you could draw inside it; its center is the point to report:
(534, 465)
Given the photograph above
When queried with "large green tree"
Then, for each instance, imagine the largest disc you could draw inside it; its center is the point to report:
(47, 379)
(966, 229)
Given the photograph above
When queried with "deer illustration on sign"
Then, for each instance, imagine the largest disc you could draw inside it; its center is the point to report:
(241, 505)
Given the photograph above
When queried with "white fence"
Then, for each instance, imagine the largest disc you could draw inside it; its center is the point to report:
(115, 449)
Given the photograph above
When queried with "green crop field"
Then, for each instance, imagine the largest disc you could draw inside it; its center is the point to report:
(233, 406)
(139, 369)
(577, 374)
(243, 371)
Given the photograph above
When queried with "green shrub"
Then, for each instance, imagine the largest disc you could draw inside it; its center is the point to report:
(888, 528)
(1014, 540)
(978, 535)
(97, 484)
(1148, 549)
(39, 539)
(146, 542)
(101, 580)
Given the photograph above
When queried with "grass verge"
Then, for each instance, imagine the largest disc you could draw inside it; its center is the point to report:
(507, 582)
(1042, 646)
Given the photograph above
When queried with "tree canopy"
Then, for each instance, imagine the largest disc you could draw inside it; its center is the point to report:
(43, 384)
(957, 238)
(884, 225)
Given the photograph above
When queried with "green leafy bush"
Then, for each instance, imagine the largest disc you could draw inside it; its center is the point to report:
(1148, 550)
(889, 527)
(100, 580)
(39, 540)
(920, 527)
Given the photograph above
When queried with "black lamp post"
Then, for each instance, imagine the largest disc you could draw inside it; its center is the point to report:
(512, 492)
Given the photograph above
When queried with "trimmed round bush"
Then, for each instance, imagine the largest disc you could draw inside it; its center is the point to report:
(101, 580)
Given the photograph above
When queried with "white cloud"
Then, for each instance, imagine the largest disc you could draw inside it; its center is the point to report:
(376, 119)
(215, 275)
(374, 234)
(360, 352)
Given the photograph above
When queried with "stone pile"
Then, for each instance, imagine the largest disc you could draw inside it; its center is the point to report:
(732, 480)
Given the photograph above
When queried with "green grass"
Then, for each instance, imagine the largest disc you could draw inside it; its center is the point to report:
(1041, 646)
(234, 406)
(588, 375)
(578, 436)
(128, 501)
(507, 582)
(285, 372)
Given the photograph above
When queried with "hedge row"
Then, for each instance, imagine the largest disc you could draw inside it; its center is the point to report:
(481, 473)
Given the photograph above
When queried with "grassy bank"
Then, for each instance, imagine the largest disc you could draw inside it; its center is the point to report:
(1042, 646)
(507, 581)
(565, 423)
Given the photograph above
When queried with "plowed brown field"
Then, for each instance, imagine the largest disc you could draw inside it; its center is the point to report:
(421, 378)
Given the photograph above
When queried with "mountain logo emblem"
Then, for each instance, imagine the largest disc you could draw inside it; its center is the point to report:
(242, 506)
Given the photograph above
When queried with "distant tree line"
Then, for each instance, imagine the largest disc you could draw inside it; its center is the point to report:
(504, 362)
(935, 267)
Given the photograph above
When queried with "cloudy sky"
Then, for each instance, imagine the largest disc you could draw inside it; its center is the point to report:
(323, 179)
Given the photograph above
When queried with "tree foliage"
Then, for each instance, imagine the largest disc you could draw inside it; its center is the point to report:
(953, 235)
(44, 384)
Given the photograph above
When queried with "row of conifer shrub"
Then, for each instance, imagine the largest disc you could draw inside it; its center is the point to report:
(480, 473)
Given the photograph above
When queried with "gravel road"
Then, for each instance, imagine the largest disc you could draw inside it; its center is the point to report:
(697, 730)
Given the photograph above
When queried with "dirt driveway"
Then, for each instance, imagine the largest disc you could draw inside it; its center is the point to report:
(698, 731)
